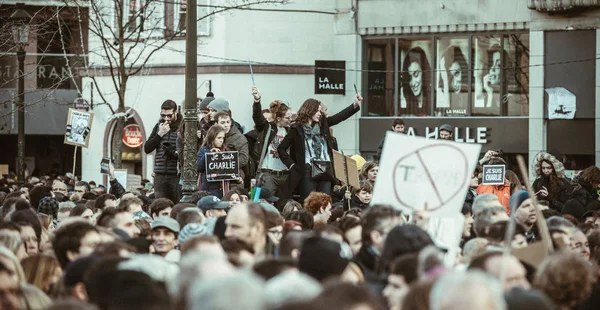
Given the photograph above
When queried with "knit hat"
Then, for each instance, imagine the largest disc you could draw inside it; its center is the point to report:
(192, 230)
(517, 199)
(204, 103)
(360, 161)
(219, 105)
(48, 206)
(322, 258)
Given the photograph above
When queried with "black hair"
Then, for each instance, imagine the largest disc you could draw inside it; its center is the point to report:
(303, 217)
(169, 105)
(68, 238)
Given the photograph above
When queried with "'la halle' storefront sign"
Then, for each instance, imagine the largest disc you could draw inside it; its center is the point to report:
(132, 136)
(330, 77)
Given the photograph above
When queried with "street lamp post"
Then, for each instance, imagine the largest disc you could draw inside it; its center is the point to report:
(20, 31)
(191, 105)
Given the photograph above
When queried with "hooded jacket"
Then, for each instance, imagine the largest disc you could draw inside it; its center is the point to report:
(556, 197)
(164, 164)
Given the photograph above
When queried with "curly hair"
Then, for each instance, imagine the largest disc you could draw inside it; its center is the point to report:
(315, 201)
(364, 171)
(591, 175)
(309, 108)
(566, 278)
(278, 109)
(559, 168)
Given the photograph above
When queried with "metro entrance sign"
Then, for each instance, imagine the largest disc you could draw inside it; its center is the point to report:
(132, 136)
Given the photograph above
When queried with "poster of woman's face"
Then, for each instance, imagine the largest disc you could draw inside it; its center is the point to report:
(452, 76)
(416, 79)
(79, 125)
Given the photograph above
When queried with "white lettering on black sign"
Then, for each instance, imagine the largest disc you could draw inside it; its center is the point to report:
(493, 174)
(222, 166)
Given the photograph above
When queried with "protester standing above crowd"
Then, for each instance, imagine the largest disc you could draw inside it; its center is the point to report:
(310, 151)
(550, 184)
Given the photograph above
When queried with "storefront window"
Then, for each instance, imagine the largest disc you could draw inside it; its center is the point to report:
(452, 76)
(460, 75)
(380, 77)
(415, 77)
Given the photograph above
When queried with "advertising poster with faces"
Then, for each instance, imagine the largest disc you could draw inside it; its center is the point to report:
(500, 70)
(416, 77)
(452, 77)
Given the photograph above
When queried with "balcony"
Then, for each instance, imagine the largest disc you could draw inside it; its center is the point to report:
(561, 5)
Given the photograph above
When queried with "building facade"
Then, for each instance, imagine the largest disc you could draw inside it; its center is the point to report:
(483, 67)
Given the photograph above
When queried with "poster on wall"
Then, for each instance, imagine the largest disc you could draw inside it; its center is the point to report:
(79, 125)
(562, 104)
(416, 77)
(330, 77)
(452, 77)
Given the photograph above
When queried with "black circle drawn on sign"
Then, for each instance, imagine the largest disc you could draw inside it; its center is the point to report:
(416, 152)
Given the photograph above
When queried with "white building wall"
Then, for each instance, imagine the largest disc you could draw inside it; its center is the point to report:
(235, 37)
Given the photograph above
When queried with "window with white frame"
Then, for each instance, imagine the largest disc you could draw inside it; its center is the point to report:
(145, 16)
(203, 10)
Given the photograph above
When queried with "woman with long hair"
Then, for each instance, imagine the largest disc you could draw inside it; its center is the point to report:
(551, 184)
(43, 271)
(214, 142)
(416, 82)
(452, 79)
(309, 143)
(273, 170)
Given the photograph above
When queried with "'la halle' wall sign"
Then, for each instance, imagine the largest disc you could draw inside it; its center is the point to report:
(330, 77)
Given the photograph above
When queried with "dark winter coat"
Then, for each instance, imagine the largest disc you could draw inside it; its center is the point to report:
(355, 203)
(261, 125)
(557, 198)
(201, 165)
(163, 163)
(237, 142)
(295, 143)
(582, 195)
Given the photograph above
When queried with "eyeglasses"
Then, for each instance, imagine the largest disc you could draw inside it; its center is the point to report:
(166, 115)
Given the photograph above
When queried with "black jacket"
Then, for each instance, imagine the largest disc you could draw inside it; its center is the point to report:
(163, 162)
(368, 263)
(556, 198)
(261, 125)
(295, 142)
(582, 195)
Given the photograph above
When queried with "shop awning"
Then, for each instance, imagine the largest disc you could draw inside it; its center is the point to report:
(45, 111)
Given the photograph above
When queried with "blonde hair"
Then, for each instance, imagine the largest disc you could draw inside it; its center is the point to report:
(39, 269)
(35, 298)
(5, 252)
(11, 241)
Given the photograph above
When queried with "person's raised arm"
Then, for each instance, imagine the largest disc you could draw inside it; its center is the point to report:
(260, 122)
(345, 113)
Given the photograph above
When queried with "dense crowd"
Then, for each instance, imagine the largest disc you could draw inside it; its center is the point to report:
(307, 241)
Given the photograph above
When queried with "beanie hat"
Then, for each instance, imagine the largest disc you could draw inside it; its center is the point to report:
(192, 230)
(204, 103)
(322, 258)
(517, 199)
(360, 161)
(219, 105)
(48, 206)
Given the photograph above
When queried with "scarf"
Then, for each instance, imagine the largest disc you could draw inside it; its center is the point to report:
(314, 133)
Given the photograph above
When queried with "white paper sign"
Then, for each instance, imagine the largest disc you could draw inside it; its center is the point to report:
(416, 174)
(562, 104)
(121, 176)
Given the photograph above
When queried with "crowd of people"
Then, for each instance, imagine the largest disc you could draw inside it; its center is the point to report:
(307, 241)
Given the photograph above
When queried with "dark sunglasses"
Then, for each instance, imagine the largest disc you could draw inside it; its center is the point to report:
(166, 115)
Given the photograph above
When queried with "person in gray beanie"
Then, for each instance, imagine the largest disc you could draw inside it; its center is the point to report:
(525, 213)
(221, 105)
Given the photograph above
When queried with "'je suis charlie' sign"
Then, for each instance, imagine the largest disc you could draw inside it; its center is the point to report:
(330, 77)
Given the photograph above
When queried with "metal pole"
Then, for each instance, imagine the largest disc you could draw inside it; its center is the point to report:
(21, 115)
(190, 148)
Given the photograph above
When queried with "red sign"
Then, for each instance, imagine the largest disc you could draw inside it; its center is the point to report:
(132, 136)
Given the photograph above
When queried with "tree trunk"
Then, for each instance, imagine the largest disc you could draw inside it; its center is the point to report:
(117, 142)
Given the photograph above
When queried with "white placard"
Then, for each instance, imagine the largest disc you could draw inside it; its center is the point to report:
(417, 174)
(562, 104)
(121, 176)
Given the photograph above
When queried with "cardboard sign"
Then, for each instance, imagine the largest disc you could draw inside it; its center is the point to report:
(222, 166)
(79, 126)
(330, 77)
(345, 169)
(493, 174)
(134, 182)
(104, 165)
(424, 174)
(3, 169)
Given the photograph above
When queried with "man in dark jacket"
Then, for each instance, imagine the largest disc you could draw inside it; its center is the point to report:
(235, 140)
(398, 127)
(164, 140)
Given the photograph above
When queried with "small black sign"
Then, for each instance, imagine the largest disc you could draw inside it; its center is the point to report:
(330, 77)
(222, 166)
(493, 174)
(104, 165)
